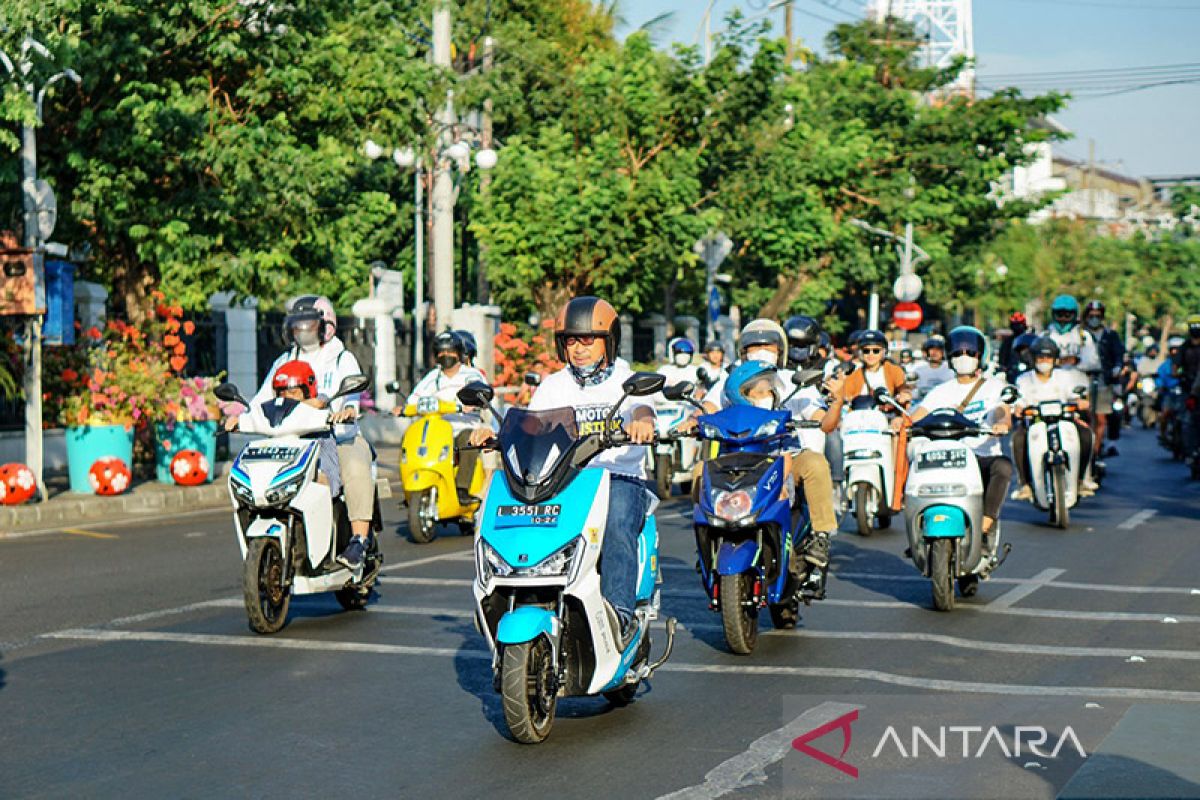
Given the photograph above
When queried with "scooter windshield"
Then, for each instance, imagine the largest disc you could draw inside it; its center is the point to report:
(534, 442)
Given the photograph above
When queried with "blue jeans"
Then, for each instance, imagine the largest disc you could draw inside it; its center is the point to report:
(628, 503)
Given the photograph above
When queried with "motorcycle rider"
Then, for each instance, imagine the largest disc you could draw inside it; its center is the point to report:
(311, 326)
(1020, 360)
(1112, 356)
(1018, 325)
(713, 368)
(935, 370)
(977, 397)
(1165, 382)
(681, 351)
(443, 382)
(1188, 370)
(876, 372)
(470, 347)
(1045, 383)
(587, 337)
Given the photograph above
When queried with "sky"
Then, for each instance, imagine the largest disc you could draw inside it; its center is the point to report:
(1147, 133)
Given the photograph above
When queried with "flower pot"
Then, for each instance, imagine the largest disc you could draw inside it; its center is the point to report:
(88, 443)
(169, 440)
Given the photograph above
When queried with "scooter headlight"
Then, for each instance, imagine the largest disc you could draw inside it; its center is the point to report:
(734, 506)
(284, 492)
(489, 561)
(557, 564)
(942, 490)
(863, 455)
(243, 492)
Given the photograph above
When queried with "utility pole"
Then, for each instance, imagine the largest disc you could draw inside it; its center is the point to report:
(419, 256)
(787, 29)
(483, 289)
(442, 196)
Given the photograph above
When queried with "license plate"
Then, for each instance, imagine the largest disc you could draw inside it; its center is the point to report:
(541, 514)
(942, 459)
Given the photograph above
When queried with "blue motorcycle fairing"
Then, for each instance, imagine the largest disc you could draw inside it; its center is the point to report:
(526, 623)
(769, 504)
(734, 559)
(741, 426)
(944, 522)
(522, 544)
(648, 550)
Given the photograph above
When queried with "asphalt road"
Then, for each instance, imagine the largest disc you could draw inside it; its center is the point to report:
(127, 669)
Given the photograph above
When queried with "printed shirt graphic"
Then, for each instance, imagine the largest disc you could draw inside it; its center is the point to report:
(1059, 387)
(950, 395)
(591, 405)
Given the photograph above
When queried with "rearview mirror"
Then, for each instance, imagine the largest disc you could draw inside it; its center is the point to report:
(808, 377)
(393, 387)
(846, 368)
(679, 391)
(353, 384)
(1009, 394)
(881, 395)
(640, 384)
(533, 379)
(476, 394)
(228, 393)
(1079, 391)
(702, 374)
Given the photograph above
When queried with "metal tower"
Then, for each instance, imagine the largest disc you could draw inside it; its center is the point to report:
(946, 27)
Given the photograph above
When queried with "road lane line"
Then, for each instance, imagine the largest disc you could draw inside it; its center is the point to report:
(136, 520)
(1012, 596)
(837, 673)
(749, 768)
(90, 534)
(1137, 519)
(458, 555)
(411, 580)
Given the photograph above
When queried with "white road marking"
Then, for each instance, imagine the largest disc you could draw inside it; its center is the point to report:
(458, 555)
(414, 581)
(837, 673)
(1013, 596)
(749, 768)
(1137, 519)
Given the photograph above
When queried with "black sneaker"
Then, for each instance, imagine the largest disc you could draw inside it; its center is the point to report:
(623, 628)
(815, 549)
(1111, 452)
(353, 556)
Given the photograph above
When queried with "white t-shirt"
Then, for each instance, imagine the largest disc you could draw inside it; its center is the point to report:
(929, 376)
(331, 364)
(676, 374)
(948, 396)
(445, 387)
(807, 404)
(1058, 386)
(591, 405)
(1077, 342)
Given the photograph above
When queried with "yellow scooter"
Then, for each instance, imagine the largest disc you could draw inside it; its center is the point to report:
(427, 471)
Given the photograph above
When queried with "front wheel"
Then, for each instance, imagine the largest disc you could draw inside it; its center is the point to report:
(422, 516)
(940, 573)
(529, 689)
(739, 615)
(1062, 512)
(663, 470)
(267, 597)
(864, 495)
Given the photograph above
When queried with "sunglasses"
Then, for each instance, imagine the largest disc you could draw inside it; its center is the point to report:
(586, 341)
(958, 353)
(872, 351)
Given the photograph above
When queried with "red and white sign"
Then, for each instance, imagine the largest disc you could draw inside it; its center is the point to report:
(907, 316)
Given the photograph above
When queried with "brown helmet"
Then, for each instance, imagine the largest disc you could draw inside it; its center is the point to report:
(588, 316)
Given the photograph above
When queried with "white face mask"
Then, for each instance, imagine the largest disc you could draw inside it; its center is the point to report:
(764, 402)
(761, 354)
(964, 365)
(683, 359)
(1044, 367)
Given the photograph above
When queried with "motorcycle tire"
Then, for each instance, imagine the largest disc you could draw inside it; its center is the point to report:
(662, 475)
(785, 616)
(529, 690)
(941, 575)
(352, 598)
(883, 520)
(267, 598)
(420, 530)
(739, 617)
(862, 514)
(1062, 512)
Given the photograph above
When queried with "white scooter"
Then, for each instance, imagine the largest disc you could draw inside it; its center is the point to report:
(674, 458)
(289, 528)
(1054, 458)
(943, 507)
(868, 447)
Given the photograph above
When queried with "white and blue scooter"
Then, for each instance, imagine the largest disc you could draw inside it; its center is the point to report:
(537, 582)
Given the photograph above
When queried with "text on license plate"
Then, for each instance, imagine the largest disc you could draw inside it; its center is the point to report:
(942, 459)
(539, 514)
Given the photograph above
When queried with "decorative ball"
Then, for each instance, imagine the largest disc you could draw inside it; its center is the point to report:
(109, 476)
(189, 468)
(16, 484)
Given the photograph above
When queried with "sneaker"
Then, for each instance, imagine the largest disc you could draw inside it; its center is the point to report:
(623, 626)
(1111, 452)
(815, 549)
(1024, 493)
(353, 556)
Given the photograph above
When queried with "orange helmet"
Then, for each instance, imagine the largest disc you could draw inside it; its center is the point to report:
(293, 374)
(588, 316)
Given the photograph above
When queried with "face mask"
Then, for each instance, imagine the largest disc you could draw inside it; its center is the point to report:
(1095, 322)
(1044, 367)
(764, 402)
(683, 359)
(964, 365)
(761, 354)
(1062, 326)
(447, 360)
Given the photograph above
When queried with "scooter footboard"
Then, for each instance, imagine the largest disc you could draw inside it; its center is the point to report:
(526, 623)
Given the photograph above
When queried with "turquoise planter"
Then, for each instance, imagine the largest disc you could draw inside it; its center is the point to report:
(198, 436)
(88, 444)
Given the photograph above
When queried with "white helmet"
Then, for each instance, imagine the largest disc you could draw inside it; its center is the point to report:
(764, 332)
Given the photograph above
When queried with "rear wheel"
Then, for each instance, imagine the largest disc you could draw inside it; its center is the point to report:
(267, 598)
(529, 690)
(864, 496)
(739, 616)
(939, 572)
(662, 475)
(1062, 512)
(422, 516)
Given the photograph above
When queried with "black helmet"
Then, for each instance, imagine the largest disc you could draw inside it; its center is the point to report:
(447, 342)
(1043, 347)
(853, 339)
(470, 348)
(1025, 341)
(802, 331)
(872, 337)
(932, 342)
(713, 346)
(1093, 305)
(825, 340)
(966, 338)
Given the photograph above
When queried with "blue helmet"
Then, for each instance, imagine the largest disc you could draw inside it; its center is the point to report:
(1064, 313)
(968, 339)
(681, 344)
(743, 376)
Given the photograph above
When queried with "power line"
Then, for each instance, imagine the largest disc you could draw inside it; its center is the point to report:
(1095, 71)
(1115, 6)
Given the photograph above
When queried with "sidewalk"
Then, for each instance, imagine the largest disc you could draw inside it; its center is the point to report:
(145, 500)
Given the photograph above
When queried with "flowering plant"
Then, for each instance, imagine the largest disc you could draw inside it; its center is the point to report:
(519, 352)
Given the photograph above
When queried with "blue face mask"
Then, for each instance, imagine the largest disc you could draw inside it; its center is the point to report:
(1063, 327)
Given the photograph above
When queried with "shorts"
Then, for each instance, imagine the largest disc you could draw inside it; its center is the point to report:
(1104, 399)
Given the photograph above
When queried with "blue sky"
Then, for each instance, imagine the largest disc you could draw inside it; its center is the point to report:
(1151, 132)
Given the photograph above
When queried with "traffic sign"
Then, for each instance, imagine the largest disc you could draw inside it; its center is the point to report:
(908, 288)
(714, 304)
(907, 316)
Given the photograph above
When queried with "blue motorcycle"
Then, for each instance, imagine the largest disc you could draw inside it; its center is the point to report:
(537, 555)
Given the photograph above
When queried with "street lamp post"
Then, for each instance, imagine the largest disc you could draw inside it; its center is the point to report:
(33, 237)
